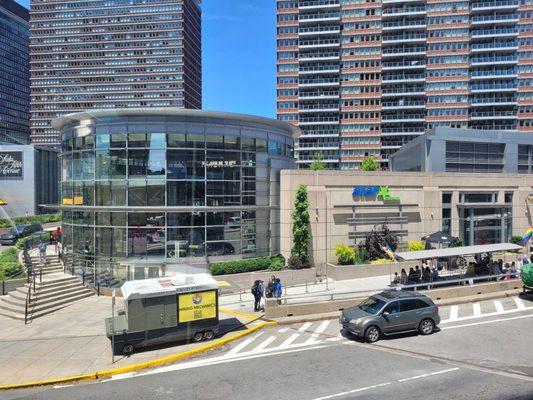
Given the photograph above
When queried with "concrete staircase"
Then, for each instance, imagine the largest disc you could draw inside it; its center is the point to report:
(56, 291)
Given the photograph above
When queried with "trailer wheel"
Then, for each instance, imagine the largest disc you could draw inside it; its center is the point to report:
(208, 335)
(198, 336)
(128, 349)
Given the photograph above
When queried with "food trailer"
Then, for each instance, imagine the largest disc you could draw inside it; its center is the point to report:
(163, 310)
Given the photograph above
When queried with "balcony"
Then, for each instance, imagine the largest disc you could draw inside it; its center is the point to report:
(493, 74)
(398, 25)
(395, 78)
(492, 101)
(484, 115)
(320, 56)
(318, 4)
(411, 64)
(326, 69)
(496, 18)
(401, 104)
(493, 87)
(403, 51)
(318, 95)
(490, 33)
(491, 60)
(313, 133)
(319, 146)
(404, 11)
(494, 5)
(319, 120)
(405, 91)
(494, 46)
(406, 37)
(394, 131)
(319, 30)
(318, 43)
(394, 118)
(313, 108)
(318, 82)
(319, 17)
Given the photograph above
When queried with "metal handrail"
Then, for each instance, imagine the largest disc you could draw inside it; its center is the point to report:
(424, 285)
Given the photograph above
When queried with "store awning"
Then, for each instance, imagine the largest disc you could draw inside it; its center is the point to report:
(456, 251)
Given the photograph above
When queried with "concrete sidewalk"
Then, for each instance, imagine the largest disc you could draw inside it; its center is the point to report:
(72, 341)
(314, 292)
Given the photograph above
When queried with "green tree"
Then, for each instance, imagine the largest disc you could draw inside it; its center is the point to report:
(369, 164)
(301, 233)
(318, 162)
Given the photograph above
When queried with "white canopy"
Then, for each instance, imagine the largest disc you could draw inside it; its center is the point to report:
(456, 251)
(166, 286)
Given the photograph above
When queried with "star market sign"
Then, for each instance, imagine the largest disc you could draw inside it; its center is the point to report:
(374, 191)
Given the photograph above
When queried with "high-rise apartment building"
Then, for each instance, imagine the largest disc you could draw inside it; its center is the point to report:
(102, 54)
(363, 77)
(14, 73)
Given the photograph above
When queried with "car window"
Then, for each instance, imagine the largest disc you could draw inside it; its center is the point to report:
(412, 304)
(372, 305)
(392, 308)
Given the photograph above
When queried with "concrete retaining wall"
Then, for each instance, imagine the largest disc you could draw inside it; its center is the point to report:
(10, 285)
(274, 310)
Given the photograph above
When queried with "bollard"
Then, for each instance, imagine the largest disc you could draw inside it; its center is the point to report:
(98, 289)
(240, 295)
(306, 290)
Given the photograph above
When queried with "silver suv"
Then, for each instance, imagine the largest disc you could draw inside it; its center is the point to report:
(391, 312)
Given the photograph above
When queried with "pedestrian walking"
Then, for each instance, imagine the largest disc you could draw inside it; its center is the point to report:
(257, 292)
(56, 239)
(42, 252)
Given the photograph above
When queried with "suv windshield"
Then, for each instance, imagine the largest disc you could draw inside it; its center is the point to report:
(372, 305)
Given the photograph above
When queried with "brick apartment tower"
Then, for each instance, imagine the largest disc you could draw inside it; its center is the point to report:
(96, 54)
(363, 77)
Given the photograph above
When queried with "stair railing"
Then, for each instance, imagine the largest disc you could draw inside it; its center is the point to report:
(32, 273)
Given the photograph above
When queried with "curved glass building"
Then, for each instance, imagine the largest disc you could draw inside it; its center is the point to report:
(144, 190)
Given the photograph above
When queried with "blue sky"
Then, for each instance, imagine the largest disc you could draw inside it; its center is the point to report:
(239, 56)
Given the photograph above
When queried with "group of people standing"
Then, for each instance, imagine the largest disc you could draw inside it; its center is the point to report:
(416, 275)
(272, 290)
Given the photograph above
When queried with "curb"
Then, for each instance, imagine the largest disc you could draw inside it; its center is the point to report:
(143, 365)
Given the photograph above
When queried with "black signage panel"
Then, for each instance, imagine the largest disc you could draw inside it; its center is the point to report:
(11, 165)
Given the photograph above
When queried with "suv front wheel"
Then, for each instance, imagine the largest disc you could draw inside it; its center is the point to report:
(426, 327)
(372, 334)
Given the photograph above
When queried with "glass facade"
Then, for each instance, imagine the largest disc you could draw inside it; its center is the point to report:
(14, 73)
(112, 54)
(173, 193)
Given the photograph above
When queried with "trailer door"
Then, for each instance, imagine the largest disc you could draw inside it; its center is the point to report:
(154, 308)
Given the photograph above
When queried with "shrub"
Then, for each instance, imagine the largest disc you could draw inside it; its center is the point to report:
(297, 263)
(40, 218)
(515, 239)
(377, 238)
(345, 254)
(369, 164)
(456, 243)
(248, 265)
(360, 256)
(300, 228)
(318, 162)
(415, 245)
(9, 264)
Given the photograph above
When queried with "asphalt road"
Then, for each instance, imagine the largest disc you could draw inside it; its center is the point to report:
(473, 356)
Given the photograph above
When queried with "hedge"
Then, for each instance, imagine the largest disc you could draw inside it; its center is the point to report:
(41, 219)
(273, 263)
(10, 268)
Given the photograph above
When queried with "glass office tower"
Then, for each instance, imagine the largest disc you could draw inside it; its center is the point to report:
(364, 77)
(112, 54)
(14, 73)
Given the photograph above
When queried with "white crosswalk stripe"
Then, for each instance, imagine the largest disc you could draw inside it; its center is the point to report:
(499, 306)
(328, 332)
(519, 303)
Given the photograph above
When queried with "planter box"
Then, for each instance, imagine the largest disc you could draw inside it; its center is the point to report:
(344, 272)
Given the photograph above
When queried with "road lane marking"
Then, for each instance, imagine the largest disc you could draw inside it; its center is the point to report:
(243, 344)
(321, 328)
(491, 314)
(265, 343)
(295, 336)
(454, 313)
(488, 322)
(499, 306)
(366, 388)
(477, 309)
(519, 303)
(283, 330)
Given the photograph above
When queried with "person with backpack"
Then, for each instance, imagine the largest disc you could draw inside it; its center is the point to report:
(257, 292)
(278, 290)
(271, 287)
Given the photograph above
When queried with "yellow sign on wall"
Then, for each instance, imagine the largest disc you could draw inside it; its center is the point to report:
(197, 306)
